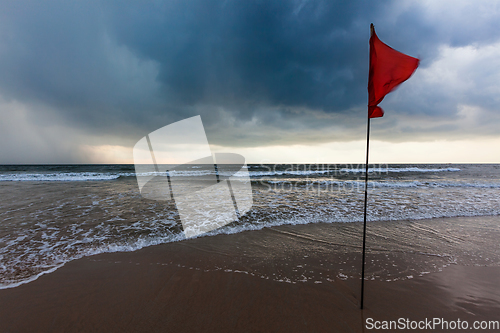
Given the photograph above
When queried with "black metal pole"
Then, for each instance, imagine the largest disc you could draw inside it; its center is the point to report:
(372, 30)
(364, 216)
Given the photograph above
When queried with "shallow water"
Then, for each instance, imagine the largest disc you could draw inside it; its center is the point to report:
(324, 252)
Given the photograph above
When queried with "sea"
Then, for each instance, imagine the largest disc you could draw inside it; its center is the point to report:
(52, 214)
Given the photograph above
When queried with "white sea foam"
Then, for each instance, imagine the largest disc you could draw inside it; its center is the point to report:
(377, 184)
(345, 171)
(100, 176)
(95, 176)
(409, 169)
(14, 284)
(58, 262)
(62, 176)
(288, 172)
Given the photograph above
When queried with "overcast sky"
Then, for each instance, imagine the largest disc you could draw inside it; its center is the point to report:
(277, 81)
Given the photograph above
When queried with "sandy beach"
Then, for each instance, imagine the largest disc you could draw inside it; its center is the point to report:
(241, 283)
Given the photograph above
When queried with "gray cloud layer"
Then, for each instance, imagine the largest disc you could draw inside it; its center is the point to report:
(259, 72)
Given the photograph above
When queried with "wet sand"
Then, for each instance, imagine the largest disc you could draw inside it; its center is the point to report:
(213, 284)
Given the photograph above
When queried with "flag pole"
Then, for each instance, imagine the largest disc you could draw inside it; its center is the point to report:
(364, 216)
(366, 199)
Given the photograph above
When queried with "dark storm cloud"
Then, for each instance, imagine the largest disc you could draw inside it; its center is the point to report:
(127, 68)
(244, 53)
(305, 54)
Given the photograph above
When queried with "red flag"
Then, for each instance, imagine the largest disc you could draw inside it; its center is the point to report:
(388, 69)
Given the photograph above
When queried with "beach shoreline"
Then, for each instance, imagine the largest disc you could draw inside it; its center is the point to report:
(213, 284)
